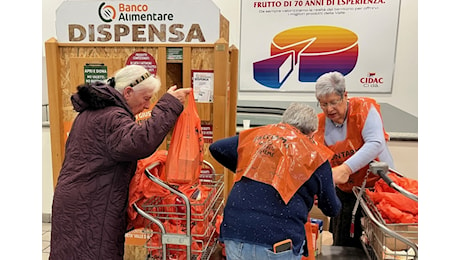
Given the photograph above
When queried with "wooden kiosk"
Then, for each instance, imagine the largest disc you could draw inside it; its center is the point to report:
(178, 40)
(65, 63)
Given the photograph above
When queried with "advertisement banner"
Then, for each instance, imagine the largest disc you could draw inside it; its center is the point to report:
(286, 45)
(153, 21)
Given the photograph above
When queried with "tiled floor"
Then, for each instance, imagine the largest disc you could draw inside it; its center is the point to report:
(46, 237)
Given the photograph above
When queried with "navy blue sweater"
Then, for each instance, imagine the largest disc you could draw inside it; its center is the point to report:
(256, 214)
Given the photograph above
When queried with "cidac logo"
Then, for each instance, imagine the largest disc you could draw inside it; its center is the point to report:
(371, 81)
(312, 50)
(107, 13)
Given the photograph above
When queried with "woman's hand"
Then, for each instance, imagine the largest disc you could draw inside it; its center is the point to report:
(341, 174)
(180, 94)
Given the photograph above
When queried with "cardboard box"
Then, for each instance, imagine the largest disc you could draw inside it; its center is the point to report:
(315, 212)
(317, 230)
(135, 245)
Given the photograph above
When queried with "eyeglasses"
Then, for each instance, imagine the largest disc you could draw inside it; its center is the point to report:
(332, 104)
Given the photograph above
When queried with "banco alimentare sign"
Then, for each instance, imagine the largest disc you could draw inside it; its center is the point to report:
(159, 21)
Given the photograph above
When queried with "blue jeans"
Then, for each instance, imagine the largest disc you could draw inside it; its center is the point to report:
(244, 251)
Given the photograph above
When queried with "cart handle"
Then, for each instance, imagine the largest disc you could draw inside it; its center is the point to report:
(154, 220)
(188, 235)
(381, 169)
(188, 211)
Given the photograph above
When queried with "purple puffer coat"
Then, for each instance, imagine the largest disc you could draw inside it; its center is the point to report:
(89, 216)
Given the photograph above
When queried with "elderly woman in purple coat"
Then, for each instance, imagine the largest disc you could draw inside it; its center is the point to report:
(89, 217)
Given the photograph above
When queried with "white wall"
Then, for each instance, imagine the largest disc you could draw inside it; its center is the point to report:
(405, 85)
(405, 157)
(47, 172)
(404, 96)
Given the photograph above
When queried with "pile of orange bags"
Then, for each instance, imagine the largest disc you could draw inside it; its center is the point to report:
(169, 208)
(392, 205)
(141, 188)
(172, 213)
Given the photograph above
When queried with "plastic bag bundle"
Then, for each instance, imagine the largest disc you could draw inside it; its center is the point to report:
(392, 205)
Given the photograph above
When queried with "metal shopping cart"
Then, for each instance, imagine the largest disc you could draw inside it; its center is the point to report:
(183, 226)
(380, 240)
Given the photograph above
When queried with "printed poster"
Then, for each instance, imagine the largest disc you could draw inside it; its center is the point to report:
(203, 85)
(286, 45)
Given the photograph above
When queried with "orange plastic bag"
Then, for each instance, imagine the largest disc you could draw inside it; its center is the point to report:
(185, 153)
(141, 188)
(408, 184)
(309, 238)
(392, 205)
(396, 200)
(281, 156)
(392, 214)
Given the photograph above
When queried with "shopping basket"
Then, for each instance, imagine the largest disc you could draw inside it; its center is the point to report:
(380, 240)
(183, 226)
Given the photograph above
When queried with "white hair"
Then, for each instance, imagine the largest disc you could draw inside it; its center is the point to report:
(301, 116)
(131, 74)
(330, 83)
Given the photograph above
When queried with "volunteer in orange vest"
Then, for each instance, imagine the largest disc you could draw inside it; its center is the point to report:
(353, 129)
(279, 170)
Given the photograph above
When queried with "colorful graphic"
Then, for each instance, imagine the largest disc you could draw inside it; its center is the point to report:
(315, 50)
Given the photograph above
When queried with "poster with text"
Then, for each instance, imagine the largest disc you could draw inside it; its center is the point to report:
(286, 45)
(203, 85)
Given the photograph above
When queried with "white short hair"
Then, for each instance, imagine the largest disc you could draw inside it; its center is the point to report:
(330, 83)
(131, 74)
(301, 116)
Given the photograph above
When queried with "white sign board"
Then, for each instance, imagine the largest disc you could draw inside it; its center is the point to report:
(203, 85)
(153, 21)
(286, 45)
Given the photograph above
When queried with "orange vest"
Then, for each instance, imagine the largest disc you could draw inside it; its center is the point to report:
(279, 155)
(358, 109)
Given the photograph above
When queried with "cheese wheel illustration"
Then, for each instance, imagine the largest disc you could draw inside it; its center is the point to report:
(315, 50)
(272, 72)
(318, 49)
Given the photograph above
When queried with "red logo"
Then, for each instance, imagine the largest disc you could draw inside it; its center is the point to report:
(371, 80)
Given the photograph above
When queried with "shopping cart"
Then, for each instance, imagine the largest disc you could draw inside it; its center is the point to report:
(183, 226)
(380, 240)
